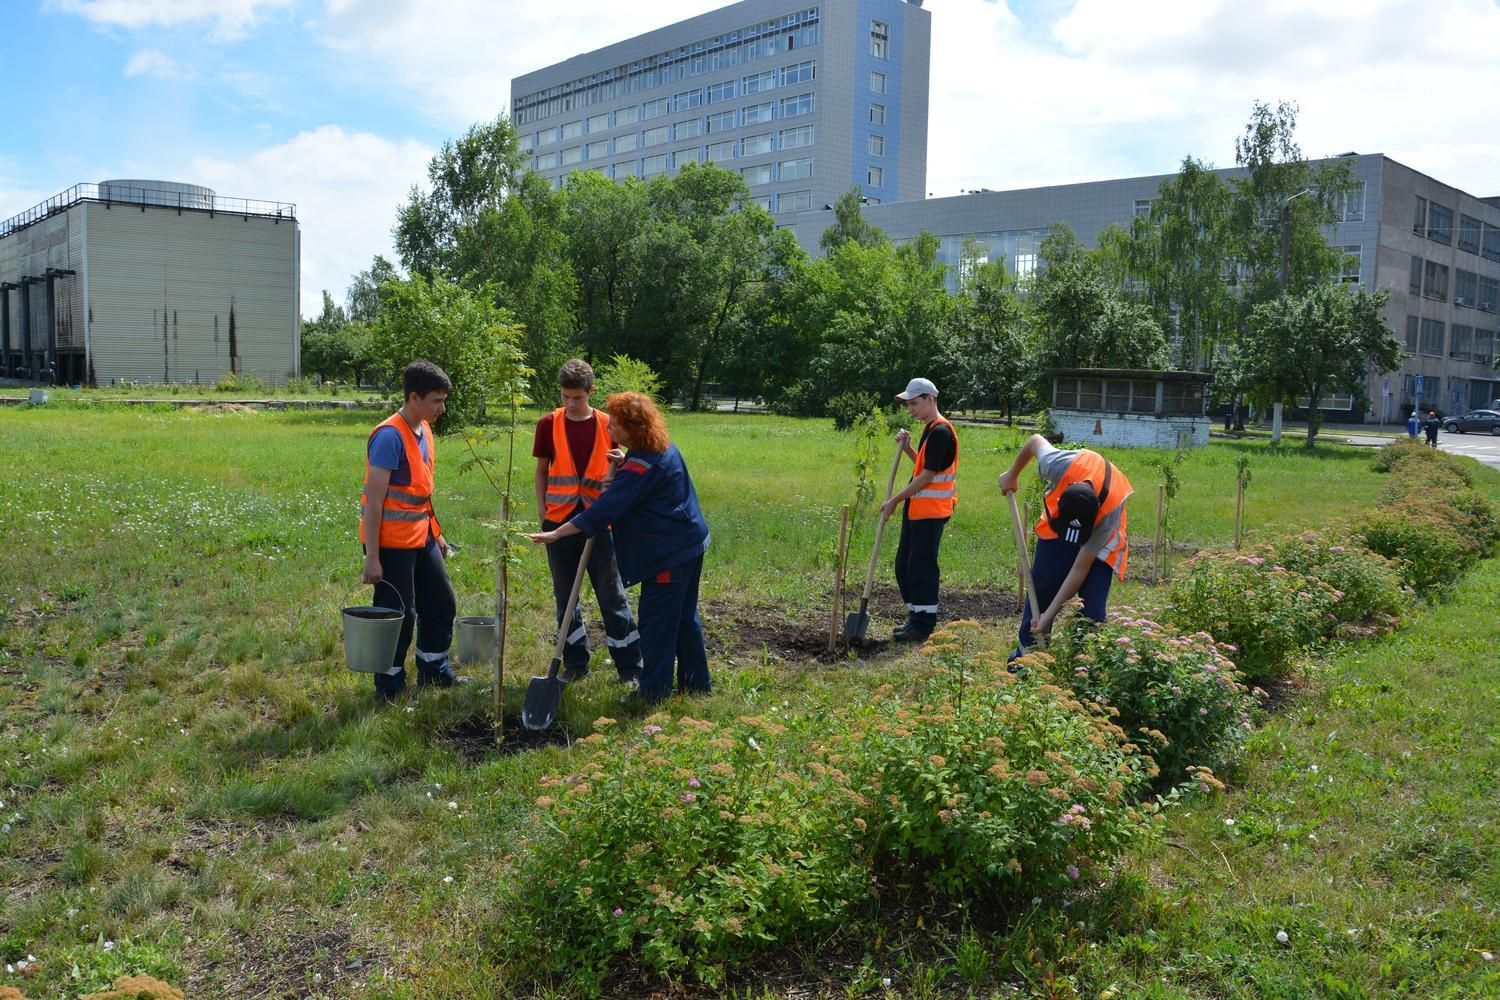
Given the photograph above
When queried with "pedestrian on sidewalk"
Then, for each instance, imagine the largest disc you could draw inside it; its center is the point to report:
(407, 561)
(1082, 542)
(659, 537)
(927, 504)
(572, 462)
(1413, 425)
(1433, 425)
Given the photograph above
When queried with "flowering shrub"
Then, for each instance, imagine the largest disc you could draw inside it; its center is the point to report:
(687, 843)
(1369, 585)
(1265, 612)
(990, 783)
(1412, 459)
(1425, 539)
(1179, 695)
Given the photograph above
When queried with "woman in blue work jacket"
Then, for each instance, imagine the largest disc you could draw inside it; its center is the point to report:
(660, 537)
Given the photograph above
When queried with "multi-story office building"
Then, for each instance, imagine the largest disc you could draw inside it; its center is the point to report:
(1435, 247)
(804, 100)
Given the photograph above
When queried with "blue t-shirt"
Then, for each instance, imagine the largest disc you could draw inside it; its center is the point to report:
(388, 452)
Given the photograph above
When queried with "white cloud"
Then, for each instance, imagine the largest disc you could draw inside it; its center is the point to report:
(231, 18)
(1119, 87)
(460, 58)
(153, 63)
(347, 187)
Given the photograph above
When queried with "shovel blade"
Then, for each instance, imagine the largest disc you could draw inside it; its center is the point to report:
(543, 697)
(856, 625)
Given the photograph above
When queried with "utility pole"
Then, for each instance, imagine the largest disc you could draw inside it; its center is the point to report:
(1286, 261)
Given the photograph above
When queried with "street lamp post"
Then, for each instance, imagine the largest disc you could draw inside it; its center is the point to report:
(1286, 259)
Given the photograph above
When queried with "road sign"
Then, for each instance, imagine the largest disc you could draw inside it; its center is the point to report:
(1418, 380)
(1385, 384)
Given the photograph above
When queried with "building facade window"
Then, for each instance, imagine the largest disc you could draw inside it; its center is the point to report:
(1439, 223)
(693, 154)
(1415, 285)
(571, 130)
(723, 121)
(597, 150)
(624, 170)
(625, 143)
(1469, 229)
(756, 113)
(1142, 208)
(880, 39)
(802, 72)
(759, 83)
(653, 165)
(1465, 288)
(877, 81)
(718, 152)
(1432, 338)
(546, 136)
(1413, 330)
(756, 175)
(1435, 281)
(877, 114)
(1349, 271)
(1462, 346)
(802, 104)
(1350, 206)
(1484, 347)
(689, 129)
(792, 138)
(1489, 294)
(628, 116)
(798, 169)
(654, 136)
(1489, 247)
(762, 201)
(655, 109)
(876, 145)
(528, 142)
(795, 201)
(875, 177)
(571, 155)
(721, 91)
(754, 145)
(598, 123)
(1419, 217)
(688, 101)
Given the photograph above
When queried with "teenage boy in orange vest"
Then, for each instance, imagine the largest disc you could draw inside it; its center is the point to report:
(1081, 537)
(928, 502)
(396, 509)
(572, 465)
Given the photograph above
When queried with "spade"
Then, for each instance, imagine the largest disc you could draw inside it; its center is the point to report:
(544, 694)
(857, 623)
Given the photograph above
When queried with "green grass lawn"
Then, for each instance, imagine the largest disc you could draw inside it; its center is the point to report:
(188, 772)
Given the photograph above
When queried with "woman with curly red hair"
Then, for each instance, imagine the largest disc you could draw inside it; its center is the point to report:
(660, 536)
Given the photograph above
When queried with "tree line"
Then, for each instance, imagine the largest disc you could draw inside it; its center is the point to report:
(684, 274)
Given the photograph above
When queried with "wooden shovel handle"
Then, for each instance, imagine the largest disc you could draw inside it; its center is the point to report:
(1015, 518)
(567, 618)
(890, 488)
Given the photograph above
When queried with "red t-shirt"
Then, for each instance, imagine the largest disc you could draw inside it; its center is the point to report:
(580, 440)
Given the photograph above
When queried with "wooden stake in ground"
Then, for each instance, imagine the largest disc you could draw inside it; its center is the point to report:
(502, 587)
(1239, 506)
(1156, 553)
(838, 581)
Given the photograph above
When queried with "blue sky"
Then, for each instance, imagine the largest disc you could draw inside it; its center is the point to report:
(337, 104)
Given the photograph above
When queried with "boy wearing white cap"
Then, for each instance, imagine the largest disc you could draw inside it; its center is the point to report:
(928, 502)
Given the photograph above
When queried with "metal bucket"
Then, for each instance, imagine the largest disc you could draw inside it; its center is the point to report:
(476, 638)
(370, 636)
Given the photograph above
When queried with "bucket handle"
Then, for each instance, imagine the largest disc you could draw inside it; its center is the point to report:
(465, 598)
(378, 583)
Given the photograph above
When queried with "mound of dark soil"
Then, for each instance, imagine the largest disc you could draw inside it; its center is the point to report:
(474, 738)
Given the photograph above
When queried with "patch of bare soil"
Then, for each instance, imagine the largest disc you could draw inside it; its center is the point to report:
(222, 408)
(474, 738)
(304, 965)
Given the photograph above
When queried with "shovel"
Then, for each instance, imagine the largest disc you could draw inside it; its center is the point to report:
(544, 694)
(857, 623)
(1021, 550)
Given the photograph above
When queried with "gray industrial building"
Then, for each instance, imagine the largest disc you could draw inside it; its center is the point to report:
(150, 281)
(1435, 247)
(802, 100)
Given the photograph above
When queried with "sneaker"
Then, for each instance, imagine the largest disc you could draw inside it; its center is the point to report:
(632, 683)
(572, 675)
(637, 699)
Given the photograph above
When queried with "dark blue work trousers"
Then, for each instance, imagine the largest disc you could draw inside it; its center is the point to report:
(420, 576)
(1049, 567)
(671, 632)
(620, 632)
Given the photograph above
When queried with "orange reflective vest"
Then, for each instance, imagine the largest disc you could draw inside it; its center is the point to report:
(940, 496)
(566, 489)
(407, 511)
(1091, 466)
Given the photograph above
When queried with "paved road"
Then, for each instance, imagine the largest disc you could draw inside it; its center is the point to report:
(1482, 447)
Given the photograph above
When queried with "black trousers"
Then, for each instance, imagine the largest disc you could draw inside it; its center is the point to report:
(622, 636)
(420, 576)
(917, 573)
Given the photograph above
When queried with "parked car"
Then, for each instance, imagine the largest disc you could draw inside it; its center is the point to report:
(1475, 420)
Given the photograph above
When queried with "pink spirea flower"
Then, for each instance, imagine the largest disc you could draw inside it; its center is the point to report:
(651, 730)
(693, 782)
(1072, 871)
(1124, 640)
(619, 912)
(688, 797)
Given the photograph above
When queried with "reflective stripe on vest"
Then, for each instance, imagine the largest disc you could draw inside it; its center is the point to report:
(407, 511)
(567, 489)
(940, 495)
(1091, 466)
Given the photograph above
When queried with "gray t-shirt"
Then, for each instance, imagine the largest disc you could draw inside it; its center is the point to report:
(1052, 464)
